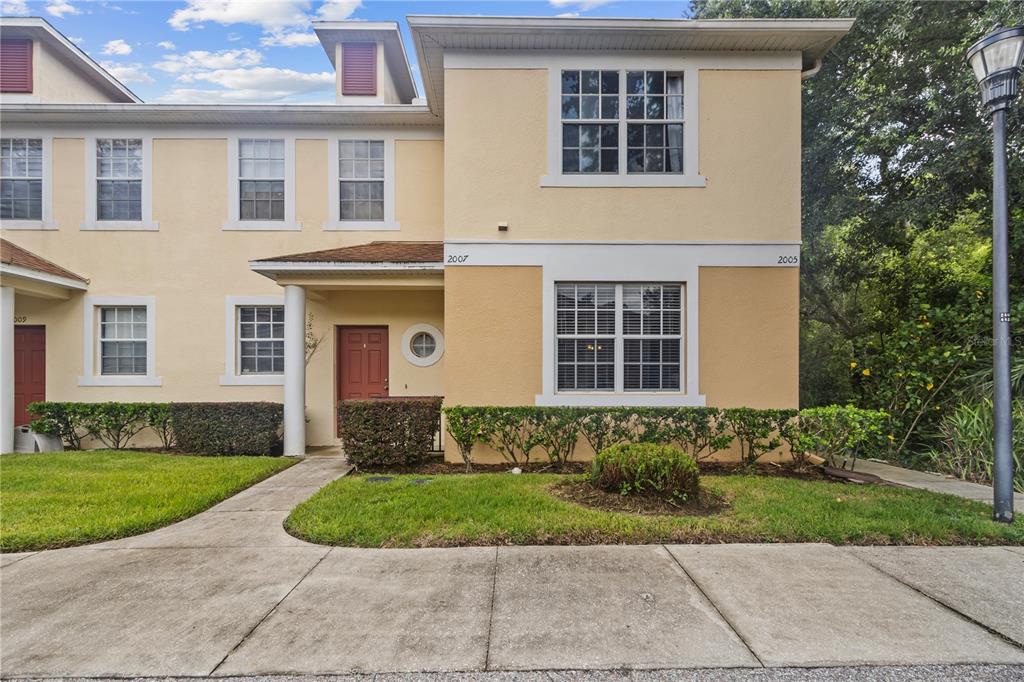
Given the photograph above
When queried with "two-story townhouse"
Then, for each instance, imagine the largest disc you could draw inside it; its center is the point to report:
(579, 212)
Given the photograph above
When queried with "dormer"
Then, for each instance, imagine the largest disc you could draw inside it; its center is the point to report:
(370, 63)
(40, 65)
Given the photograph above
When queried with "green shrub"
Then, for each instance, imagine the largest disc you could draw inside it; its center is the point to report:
(250, 428)
(513, 432)
(468, 426)
(700, 431)
(115, 424)
(557, 432)
(605, 426)
(66, 420)
(158, 418)
(839, 432)
(755, 430)
(663, 471)
(966, 443)
(389, 431)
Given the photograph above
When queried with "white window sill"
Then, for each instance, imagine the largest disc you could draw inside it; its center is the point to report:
(362, 225)
(252, 380)
(121, 225)
(261, 226)
(120, 381)
(28, 224)
(611, 399)
(623, 180)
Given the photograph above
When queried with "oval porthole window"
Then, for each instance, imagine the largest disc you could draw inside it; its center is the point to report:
(422, 345)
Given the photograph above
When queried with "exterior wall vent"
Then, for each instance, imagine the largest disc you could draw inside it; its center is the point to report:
(15, 65)
(359, 69)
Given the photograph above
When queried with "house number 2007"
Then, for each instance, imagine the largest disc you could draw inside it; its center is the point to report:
(452, 258)
(788, 260)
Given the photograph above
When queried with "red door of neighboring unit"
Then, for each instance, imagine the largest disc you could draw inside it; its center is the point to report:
(362, 362)
(29, 370)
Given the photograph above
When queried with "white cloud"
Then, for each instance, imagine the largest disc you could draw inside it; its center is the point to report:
(272, 15)
(290, 39)
(117, 47)
(200, 60)
(257, 84)
(14, 8)
(61, 8)
(234, 37)
(582, 5)
(337, 10)
(166, 44)
(128, 73)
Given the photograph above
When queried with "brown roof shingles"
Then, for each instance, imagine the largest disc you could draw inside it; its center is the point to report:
(374, 252)
(12, 254)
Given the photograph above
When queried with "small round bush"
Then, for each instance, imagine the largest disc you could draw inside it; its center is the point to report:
(663, 471)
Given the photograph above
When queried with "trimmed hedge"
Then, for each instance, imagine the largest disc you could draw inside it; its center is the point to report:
(387, 432)
(516, 432)
(664, 471)
(228, 428)
(200, 428)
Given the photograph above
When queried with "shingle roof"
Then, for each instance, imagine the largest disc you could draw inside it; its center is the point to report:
(12, 254)
(374, 252)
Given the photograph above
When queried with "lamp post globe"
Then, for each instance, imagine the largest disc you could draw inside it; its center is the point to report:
(996, 61)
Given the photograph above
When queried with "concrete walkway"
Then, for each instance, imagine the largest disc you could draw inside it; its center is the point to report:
(229, 593)
(939, 483)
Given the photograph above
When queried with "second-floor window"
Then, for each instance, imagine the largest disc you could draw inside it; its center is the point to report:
(361, 178)
(590, 121)
(654, 122)
(261, 179)
(21, 179)
(119, 179)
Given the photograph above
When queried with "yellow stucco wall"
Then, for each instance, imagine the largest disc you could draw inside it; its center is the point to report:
(749, 132)
(750, 337)
(190, 265)
(55, 81)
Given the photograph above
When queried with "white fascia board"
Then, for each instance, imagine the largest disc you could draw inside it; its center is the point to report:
(422, 21)
(292, 267)
(41, 25)
(42, 277)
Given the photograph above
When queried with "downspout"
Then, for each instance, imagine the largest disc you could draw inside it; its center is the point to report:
(813, 71)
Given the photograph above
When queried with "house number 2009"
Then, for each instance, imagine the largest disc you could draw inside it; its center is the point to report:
(452, 258)
(788, 260)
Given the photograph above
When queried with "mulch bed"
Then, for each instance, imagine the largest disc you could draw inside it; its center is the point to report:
(582, 493)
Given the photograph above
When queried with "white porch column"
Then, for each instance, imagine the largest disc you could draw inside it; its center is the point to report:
(294, 371)
(6, 369)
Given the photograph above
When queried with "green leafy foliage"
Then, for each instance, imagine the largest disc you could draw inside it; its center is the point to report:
(755, 431)
(838, 432)
(557, 432)
(252, 428)
(965, 448)
(663, 471)
(158, 418)
(389, 432)
(467, 426)
(66, 420)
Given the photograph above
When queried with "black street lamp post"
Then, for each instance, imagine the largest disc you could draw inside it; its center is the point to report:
(997, 59)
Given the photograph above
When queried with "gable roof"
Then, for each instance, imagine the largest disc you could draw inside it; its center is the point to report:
(331, 33)
(38, 28)
(22, 259)
(433, 34)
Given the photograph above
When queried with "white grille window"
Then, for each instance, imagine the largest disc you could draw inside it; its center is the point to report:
(21, 179)
(118, 179)
(361, 174)
(261, 179)
(261, 339)
(654, 115)
(618, 337)
(123, 340)
(590, 121)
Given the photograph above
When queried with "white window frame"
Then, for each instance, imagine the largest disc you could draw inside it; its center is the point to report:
(690, 176)
(334, 222)
(46, 222)
(234, 221)
(428, 360)
(91, 222)
(232, 374)
(91, 342)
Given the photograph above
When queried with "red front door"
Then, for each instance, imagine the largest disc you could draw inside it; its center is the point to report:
(29, 370)
(362, 362)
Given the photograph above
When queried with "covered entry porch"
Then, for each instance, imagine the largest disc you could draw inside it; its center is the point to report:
(362, 321)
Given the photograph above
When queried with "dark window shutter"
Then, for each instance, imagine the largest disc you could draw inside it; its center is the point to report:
(16, 65)
(359, 69)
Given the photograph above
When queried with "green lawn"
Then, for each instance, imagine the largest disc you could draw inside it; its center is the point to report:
(71, 498)
(486, 509)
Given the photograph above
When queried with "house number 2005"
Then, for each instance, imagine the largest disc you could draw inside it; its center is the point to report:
(788, 260)
(452, 258)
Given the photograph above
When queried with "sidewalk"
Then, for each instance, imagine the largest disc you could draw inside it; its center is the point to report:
(938, 483)
(228, 592)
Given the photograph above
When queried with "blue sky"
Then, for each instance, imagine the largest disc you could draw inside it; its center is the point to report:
(237, 51)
